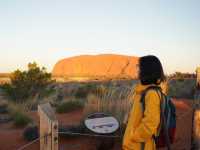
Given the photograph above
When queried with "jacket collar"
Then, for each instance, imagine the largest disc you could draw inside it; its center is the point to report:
(139, 88)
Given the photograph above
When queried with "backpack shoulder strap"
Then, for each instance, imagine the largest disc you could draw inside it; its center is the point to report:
(142, 100)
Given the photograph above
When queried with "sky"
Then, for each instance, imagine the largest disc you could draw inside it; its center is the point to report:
(46, 31)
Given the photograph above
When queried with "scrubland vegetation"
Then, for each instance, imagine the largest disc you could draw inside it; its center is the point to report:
(34, 86)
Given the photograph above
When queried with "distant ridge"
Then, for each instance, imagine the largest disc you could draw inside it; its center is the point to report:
(5, 75)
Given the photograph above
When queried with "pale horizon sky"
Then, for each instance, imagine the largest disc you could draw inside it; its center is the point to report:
(46, 31)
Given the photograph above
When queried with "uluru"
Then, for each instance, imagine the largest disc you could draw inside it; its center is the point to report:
(104, 65)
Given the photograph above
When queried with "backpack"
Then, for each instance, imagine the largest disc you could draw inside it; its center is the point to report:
(167, 126)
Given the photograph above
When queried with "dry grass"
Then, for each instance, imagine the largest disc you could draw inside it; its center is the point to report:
(111, 101)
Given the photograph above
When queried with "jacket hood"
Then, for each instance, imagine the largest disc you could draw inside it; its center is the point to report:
(139, 88)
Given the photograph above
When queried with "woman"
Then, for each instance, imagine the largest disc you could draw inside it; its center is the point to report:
(143, 125)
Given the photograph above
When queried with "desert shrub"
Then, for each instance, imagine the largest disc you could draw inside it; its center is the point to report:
(25, 84)
(59, 96)
(181, 75)
(81, 92)
(31, 132)
(69, 106)
(84, 90)
(182, 88)
(47, 92)
(3, 106)
(21, 119)
(18, 114)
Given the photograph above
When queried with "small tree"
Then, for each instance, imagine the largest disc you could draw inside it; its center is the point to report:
(180, 75)
(26, 84)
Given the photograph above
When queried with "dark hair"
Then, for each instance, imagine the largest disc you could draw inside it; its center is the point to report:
(150, 70)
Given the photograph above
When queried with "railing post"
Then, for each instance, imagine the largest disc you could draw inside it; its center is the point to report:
(198, 77)
(196, 121)
(196, 126)
(48, 128)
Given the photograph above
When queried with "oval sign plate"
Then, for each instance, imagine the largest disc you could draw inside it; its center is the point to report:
(101, 123)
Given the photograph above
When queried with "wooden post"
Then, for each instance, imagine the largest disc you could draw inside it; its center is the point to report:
(198, 77)
(48, 128)
(196, 121)
(196, 132)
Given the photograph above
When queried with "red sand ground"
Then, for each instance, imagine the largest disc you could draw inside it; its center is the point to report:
(11, 138)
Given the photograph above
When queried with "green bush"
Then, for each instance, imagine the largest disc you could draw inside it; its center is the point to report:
(3, 106)
(47, 92)
(182, 88)
(26, 84)
(69, 106)
(31, 132)
(84, 90)
(21, 119)
(181, 75)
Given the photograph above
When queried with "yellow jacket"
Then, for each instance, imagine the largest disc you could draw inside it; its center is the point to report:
(141, 128)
